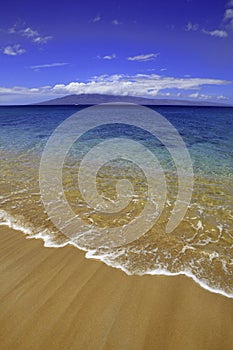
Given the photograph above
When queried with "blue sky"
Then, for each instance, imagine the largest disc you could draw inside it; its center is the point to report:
(159, 49)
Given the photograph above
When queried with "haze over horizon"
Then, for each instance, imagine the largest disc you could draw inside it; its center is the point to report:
(175, 50)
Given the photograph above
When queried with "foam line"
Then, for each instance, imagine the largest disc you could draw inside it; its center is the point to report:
(7, 220)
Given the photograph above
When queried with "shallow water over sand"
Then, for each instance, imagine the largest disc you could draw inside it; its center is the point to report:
(201, 245)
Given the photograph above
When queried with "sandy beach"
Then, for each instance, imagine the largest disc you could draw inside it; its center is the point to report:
(57, 299)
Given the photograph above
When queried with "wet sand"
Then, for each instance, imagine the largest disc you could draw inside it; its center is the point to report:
(57, 299)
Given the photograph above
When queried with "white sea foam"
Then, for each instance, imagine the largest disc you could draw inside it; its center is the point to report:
(7, 220)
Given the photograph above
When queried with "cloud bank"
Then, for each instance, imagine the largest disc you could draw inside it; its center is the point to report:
(137, 85)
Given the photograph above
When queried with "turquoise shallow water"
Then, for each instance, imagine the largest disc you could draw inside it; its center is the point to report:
(200, 247)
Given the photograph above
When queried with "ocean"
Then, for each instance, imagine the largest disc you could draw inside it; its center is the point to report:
(200, 246)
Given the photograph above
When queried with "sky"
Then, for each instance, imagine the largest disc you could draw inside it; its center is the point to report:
(179, 49)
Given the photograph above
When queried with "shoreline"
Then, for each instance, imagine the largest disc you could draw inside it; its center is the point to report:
(58, 299)
(88, 255)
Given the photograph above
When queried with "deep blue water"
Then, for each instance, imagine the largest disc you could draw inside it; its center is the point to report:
(207, 132)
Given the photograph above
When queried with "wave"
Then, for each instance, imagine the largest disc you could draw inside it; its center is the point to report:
(11, 222)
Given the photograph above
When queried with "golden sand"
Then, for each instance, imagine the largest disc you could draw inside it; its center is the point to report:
(56, 299)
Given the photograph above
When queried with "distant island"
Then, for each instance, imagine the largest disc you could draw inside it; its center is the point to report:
(92, 99)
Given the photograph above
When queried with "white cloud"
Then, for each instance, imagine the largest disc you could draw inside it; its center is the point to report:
(13, 50)
(29, 33)
(143, 58)
(49, 65)
(115, 22)
(216, 33)
(12, 30)
(227, 21)
(166, 94)
(221, 97)
(147, 85)
(109, 57)
(207, 97)
(96, 19)
(42, 39)
(190, 26)
(199, 96)
(163, 69)
(15, 28)
(228, 14)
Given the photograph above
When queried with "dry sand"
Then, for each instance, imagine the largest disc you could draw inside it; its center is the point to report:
(56, 299)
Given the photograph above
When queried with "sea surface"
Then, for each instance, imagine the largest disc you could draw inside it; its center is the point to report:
(200, 246)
